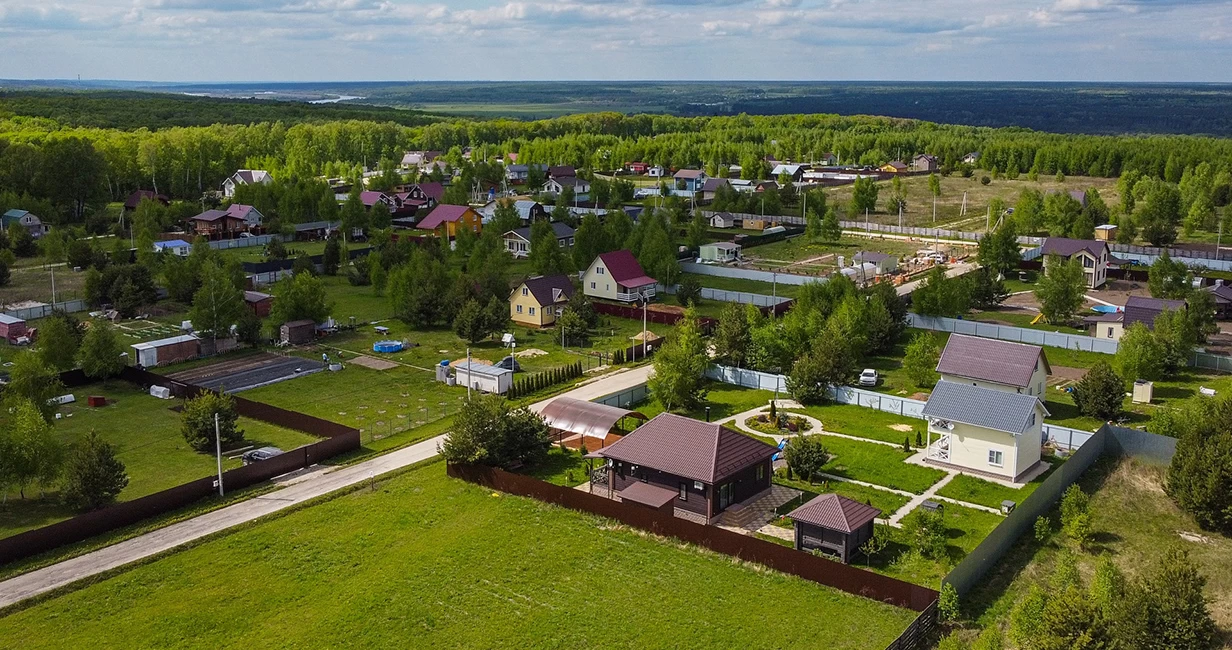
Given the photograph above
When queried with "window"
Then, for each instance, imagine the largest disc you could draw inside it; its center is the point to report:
(525, 291)
(599, 270)
(761, 472)
(592, 285)
(1039, 389)
(1109, 332)
(684, 491)
(1031, 421)
(995, 457)
(532, 311)
(519, 309)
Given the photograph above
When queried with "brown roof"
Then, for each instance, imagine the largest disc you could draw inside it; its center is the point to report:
(835, 512)
(584, 418)
(688, 448)
(1140, 309)
(624, 269)
(545, 289)
(647, 494)
(1069, 247)
(1002, 362)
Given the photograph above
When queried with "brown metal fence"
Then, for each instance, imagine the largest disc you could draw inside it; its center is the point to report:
(338, 439)
(780, 558)
(917, 634)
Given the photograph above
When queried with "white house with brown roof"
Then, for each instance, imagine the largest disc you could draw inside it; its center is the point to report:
(1091, 254)
(245, 177)
(616, 275)
(995, 365)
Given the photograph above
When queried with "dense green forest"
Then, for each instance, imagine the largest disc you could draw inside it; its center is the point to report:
(69, 171)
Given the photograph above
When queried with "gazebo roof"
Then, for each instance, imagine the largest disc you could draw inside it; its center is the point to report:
(584, 418)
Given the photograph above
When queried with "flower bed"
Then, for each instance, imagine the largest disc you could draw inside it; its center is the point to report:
(786, 425)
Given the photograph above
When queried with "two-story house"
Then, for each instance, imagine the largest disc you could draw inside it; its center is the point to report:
(446, 221)
(245, 177)
(1092, 254)
(518, 241)
(537, 301)
(998, 365)
(690, 180)
(617, 276)
(994, 433)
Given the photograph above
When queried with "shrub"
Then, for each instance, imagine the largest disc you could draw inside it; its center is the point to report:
(926, 531)
(1043, 529)
(487, 431)
(984, 180)
(1100, 393)
(948, 606)
(806, 455)
(93, 476)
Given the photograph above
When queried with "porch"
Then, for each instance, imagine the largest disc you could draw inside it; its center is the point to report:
(636, 294)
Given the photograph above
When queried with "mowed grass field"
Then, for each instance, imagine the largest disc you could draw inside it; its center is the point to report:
(146, 434)
(427, 561)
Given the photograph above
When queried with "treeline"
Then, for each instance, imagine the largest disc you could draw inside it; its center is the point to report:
(78, 168)
(146, 110)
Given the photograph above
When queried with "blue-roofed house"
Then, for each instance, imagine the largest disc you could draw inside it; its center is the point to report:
(991, 433)
(177, 247)
(27, 219)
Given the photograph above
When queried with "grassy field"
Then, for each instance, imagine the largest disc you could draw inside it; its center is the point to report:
(724, 400)
(31, 280)
(147, 436)
(965, 529)
(919, 210)
(1134, 521)
(887, 502)
(747, 286)
(877, 464)
(800, 256)
(473, 569)
(986, 493)
(862, 422)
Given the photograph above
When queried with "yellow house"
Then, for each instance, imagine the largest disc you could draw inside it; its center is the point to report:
(539, 300)
(998, 365)
(984, 431)
(446, 220)
(894, 167)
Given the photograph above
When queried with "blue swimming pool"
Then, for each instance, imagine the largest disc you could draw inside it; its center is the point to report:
(1106, 309)
(387, 346)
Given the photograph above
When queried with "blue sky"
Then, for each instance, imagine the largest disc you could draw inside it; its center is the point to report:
(316, 40)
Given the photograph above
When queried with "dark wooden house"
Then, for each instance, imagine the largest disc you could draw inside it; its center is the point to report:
(707, 467)
(833, 524)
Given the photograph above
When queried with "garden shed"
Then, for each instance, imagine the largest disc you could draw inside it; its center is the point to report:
(298, 332)
(11, 328)
(164, 351)
(833, 524)
(483, 377)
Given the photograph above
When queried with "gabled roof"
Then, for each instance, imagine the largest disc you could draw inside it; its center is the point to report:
(549, 289)
(700, 451)
(317, 225)
(213, 215)
(1221, 292)
(562, 231)
(713, 184)
(433, 190)
(690, 173)
(835, 513)
(250, 176)
(624, 269)
(370, 198)
(241, 211)
(981, 407)
(897, 164)
(171, 243)
(873, 256)
(441, 214)
(1140, 309)
(723, 245)
(1070, 247)
(568, 181)
(256, 296)
(1001, 362)
(562, 170)
(137, 197)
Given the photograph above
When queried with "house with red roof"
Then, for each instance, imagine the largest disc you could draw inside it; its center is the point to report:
(448, 220)
(138, 196)
(221, 224)
(617, 276)
(833, 524)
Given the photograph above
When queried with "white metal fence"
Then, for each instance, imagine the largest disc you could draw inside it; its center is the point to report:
(1062, 437)
(242, 242)
(748, 274)
(41, 311)
(1015, 334)
(722, 295)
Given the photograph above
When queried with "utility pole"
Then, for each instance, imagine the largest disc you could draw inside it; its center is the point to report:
(964, 205)
(218, 451)
(900, 217)
(468, 374)
(934, 208)
(645, 300)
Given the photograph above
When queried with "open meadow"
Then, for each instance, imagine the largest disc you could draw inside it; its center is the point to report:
(422, 560)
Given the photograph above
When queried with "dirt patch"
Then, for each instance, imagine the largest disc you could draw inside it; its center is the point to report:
(374, 363)
(457, 362)
(530, 353)
(901, 427)
(665, 309)
(920, 397)
(1066, 373)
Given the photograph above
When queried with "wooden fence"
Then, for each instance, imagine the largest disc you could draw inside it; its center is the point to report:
(745, 547)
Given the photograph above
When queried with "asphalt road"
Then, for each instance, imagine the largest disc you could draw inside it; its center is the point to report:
(298, 490)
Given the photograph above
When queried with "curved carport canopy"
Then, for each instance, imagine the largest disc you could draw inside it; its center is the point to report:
(584, 418)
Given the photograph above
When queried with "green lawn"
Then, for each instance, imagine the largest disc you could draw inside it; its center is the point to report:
(561, 467)
(1022, 318)
(877, 464)
(810, 257)
(863, 422)
(887, 502)
(426, 561)
(1134, 521)
(747, 286)
(986, 493)
(965, 529)
(146, 433)
(724, 401)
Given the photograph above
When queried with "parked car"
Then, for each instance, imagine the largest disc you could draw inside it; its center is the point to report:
(264, 453)
(868, 377)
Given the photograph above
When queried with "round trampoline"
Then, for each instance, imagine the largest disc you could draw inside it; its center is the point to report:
(387, 346)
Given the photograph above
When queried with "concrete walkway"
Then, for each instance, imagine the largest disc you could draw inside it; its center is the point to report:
(304, 487)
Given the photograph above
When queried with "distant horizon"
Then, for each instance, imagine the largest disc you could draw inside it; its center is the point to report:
(266, 82)
(190, 41)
